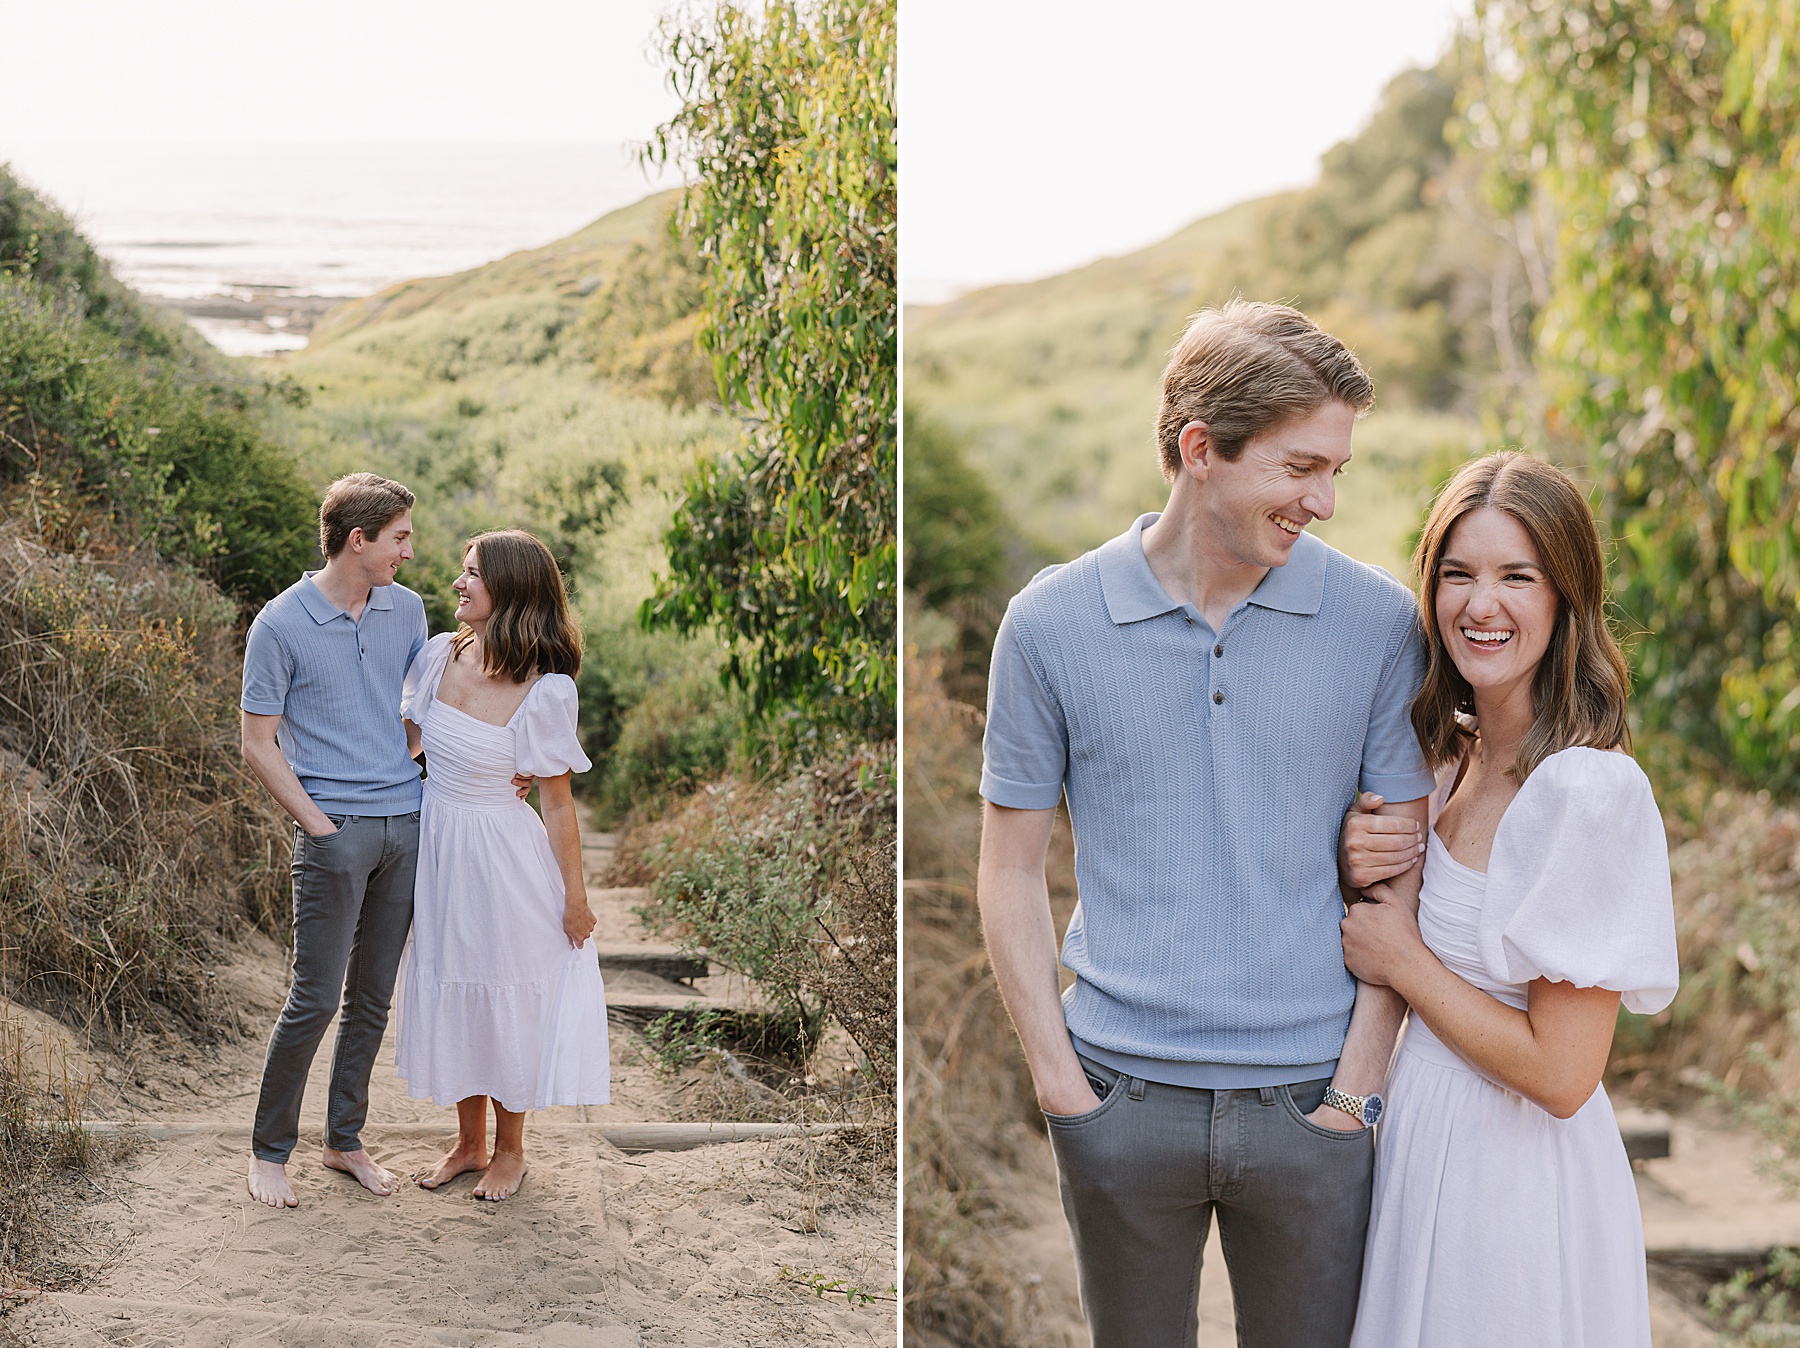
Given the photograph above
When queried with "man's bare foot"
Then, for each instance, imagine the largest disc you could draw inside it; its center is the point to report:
(504, 1173)
(459, 1159)
(360, 1164)
(269, 1184)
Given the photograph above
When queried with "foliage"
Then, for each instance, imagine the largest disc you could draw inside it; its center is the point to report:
(792, 885)
(131, 833)
(956, 535)
(788, 546)
(1762, 1302)
(110, 414)
(1663, 140)
(679, 735)
(642, 322)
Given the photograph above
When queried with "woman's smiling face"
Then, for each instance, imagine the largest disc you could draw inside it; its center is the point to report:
(473, 603)
(1496, 608)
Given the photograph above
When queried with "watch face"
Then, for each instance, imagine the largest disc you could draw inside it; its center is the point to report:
(1371, 1110)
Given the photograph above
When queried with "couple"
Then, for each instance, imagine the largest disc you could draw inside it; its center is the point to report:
(1218, 695)
(501, 996)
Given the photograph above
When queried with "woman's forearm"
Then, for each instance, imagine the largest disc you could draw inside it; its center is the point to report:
(1552, 1054)
(565, 845)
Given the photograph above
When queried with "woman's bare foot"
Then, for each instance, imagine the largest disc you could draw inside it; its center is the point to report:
(362, 1166)
(504, 1173)
(269, 1184)
(462, 1157)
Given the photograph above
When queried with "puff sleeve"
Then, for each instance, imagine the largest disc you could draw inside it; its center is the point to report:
(1578, 883)
(420, 686)
(546, 744)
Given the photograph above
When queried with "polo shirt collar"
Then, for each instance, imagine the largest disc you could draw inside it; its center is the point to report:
(1133, 593)
(313, 600)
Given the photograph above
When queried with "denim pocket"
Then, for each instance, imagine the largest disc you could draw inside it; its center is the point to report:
(1286, 1096)
(1105, 1083)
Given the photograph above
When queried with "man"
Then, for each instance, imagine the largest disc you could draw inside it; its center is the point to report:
(1210, 691)
(323, 668)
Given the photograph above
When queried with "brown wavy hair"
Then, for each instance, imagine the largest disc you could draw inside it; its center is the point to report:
(1581, 685)
(531, 630)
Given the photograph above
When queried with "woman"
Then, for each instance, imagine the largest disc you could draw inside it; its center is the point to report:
(501, 997)
(1504, 1209)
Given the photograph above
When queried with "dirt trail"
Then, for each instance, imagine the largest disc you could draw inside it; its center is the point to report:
(598, 1250)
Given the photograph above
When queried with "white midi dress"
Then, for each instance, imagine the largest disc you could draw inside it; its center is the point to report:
(492, 999)
(1494, 1222)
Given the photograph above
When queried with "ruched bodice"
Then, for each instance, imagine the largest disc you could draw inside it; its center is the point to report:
(470, 763)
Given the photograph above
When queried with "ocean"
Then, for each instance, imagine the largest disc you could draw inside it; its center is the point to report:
(254, 242)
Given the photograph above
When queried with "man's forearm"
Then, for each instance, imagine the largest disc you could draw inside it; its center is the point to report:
(1369, 1046)
(1021, 943)
(277, 776)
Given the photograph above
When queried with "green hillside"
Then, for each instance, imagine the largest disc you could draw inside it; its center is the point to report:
(1052, 386)
(550, 390)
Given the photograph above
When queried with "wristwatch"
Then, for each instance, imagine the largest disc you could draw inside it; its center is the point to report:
(1364, 1107)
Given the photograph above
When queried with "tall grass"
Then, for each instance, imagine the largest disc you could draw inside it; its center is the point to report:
(131, 835)
(41, 1141)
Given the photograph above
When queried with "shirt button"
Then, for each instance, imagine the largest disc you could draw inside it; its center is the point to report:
(1218, 697)
(1218, 650)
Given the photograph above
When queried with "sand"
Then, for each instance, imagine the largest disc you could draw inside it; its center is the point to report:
(598, 1249)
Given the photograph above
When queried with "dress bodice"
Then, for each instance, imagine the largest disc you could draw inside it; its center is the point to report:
(470, 762)
(1450, 902)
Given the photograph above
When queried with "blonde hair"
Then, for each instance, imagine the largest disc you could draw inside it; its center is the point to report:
(359, 501)
(1581, 685)
(1248, 368)
(531, 630)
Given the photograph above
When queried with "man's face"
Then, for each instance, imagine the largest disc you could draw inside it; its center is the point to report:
(1283, 480)
(380, 557)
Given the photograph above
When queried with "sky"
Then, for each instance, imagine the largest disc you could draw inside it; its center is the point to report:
(330, 71)
(1036, 138)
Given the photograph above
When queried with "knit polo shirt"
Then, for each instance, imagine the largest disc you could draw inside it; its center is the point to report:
(1207, 774)
(335, 684)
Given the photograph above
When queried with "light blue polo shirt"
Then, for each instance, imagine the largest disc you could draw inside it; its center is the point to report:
(335, 684)
(1207, 774)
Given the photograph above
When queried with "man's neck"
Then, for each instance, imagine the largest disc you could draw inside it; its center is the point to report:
(1187, 563)
(342, 583)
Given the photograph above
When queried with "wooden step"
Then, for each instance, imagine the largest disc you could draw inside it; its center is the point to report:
(649, 1005)
(1645, 1132)
(663, 961)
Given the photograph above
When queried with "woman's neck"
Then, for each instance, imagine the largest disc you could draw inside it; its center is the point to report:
(1504, 717)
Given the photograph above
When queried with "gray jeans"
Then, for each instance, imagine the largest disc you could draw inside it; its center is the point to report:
(1141, 1175)
(353, 899)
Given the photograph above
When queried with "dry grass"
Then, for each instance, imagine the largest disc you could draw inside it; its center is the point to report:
(970, 1108)
(42, 1144)
(131, 835)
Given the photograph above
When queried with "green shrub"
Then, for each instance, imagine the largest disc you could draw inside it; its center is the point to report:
(677, 736)
(792, 885)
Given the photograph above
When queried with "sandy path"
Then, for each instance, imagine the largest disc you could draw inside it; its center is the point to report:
(598, 1250)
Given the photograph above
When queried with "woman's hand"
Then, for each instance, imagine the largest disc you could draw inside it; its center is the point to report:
(578, 922)
(1379, 940)
(1375, 847)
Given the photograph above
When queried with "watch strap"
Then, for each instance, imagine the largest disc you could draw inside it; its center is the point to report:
(1349, 1104)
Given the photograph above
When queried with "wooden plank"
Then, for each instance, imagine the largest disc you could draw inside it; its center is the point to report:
(1714, 1265)
(1645, 1133)
(662, 961)
(651, 1004)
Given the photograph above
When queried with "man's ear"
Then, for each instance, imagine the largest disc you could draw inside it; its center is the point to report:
(1196, 450)
(356, 540)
